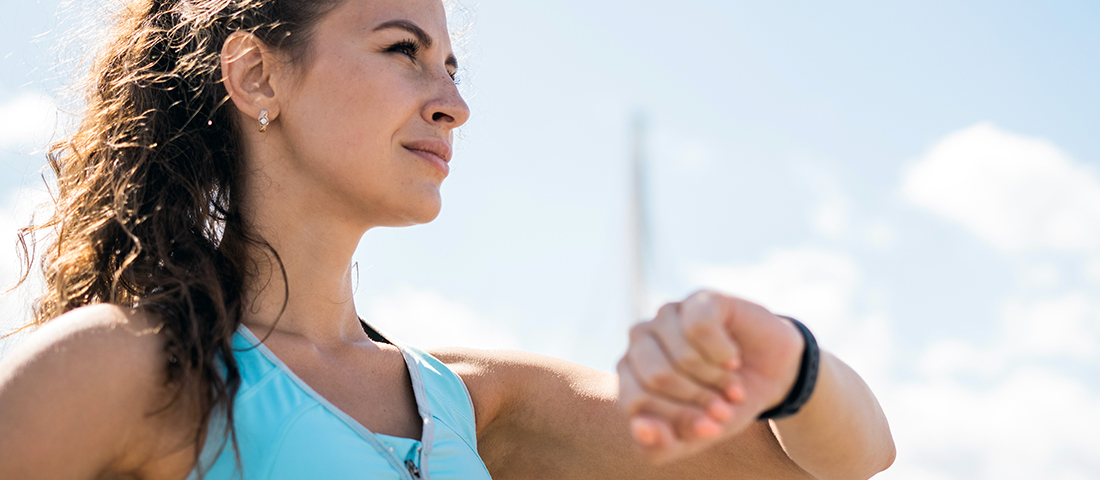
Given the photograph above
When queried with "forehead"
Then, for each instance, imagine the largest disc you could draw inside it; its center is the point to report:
(365, 15)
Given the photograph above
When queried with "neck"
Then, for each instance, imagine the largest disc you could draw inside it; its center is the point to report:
(317, 290)
(315, 246)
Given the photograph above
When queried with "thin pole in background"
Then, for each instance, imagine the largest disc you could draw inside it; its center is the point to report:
(640, 247)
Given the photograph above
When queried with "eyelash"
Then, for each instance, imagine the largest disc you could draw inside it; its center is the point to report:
(410, 49)
(405, 47)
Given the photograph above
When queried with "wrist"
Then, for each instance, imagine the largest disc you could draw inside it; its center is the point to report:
(800, 389)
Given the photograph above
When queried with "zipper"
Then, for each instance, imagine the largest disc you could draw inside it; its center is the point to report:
(413, 469)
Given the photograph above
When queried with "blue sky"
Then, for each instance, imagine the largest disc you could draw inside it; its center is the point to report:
(917, 181)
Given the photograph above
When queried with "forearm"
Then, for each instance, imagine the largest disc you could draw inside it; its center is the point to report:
(841, 432)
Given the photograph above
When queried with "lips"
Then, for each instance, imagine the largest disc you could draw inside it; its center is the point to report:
(435, 147)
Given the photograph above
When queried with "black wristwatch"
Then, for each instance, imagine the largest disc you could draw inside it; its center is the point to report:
(807, 378)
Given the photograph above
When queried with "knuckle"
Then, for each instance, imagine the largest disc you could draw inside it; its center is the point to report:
(637, 404)
(703, 308)
(667, 309)
(661, 380)
(639, 330)
(700, 330)
(745, 308)
(704, 398)
(698, 293)
(704, 296)
(689, 361)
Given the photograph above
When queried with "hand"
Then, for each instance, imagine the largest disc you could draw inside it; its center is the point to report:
(703, 370)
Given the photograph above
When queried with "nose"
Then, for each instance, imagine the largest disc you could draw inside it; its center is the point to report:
(447, 110)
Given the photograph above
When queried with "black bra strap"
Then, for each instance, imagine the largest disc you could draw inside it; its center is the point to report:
(372, 333)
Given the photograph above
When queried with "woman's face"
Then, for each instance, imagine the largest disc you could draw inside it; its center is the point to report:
(368, 122)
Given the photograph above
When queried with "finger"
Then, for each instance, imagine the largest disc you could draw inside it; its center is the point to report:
(655, 437)
(664, 446)
(657, 376)
(685, 423)
(684, 357)
(702, 318)
(735, 391)
(688, 421)
(646, 431)
(631, 394)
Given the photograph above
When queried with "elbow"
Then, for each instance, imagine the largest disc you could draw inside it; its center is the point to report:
(878, 460)
(881, 451)
(889, 454)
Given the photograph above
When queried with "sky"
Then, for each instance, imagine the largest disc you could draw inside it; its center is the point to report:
(917, 181)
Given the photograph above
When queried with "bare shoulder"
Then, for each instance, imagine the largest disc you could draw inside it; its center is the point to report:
(486, 375)
(80, 388)
(97, 347)
(500, 364)
(508, 384)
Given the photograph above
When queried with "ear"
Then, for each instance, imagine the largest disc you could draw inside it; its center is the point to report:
(250, 74)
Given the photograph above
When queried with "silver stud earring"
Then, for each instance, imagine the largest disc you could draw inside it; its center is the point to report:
(264, 121)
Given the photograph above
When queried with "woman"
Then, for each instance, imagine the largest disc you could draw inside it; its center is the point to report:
(198, 318)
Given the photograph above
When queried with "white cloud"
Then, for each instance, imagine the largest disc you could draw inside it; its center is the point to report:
(1035, 424)
(1005, 410)
(427, 320)
(27, 122)
(997, 412)
(1064, 326)
(1018, 193)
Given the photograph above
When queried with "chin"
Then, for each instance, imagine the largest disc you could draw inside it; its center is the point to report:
(401, 207)
(420, 213)
(427, 217)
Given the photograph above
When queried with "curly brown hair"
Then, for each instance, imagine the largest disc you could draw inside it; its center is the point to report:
(148, 202)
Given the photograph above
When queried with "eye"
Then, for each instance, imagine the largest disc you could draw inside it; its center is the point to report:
(408, 48)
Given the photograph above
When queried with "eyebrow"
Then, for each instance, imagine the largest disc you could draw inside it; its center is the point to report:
(420, 35)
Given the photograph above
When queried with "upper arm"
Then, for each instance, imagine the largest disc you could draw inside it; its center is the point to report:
(75, 396)
(540, 417)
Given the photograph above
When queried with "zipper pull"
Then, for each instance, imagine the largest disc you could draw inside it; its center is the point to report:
(413, 469)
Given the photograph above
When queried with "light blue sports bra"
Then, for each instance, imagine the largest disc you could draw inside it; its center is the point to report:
(286, 430)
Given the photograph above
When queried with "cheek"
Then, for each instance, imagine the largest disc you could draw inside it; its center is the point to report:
(347, 113)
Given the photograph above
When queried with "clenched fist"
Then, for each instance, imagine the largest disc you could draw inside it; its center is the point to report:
(703, 370)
